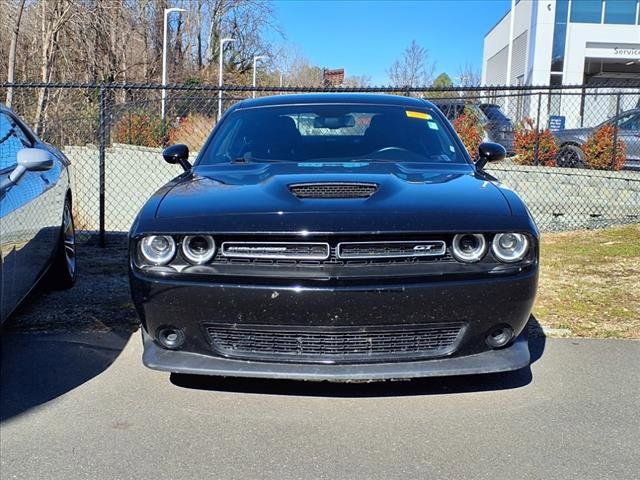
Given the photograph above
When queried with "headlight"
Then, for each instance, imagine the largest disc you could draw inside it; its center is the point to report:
(510, 247)
(158, 249)
(198, 249)
(469, 247)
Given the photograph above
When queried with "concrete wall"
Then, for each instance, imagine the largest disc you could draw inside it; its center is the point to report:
(559, 199)
(567, 199)
(132, 175)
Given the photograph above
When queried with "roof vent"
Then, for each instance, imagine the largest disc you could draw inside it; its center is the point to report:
(333, 190)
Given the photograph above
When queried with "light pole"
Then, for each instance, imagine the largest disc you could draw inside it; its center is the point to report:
(255, 60)
(167, 11)
(222, 42)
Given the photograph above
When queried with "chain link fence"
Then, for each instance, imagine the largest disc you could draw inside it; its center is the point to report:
(573, 152)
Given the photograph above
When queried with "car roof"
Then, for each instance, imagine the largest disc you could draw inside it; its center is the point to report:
(344, 98)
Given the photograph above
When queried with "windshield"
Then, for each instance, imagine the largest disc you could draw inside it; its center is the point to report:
(306, 133)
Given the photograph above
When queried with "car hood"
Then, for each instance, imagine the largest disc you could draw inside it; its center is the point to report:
(256, 198)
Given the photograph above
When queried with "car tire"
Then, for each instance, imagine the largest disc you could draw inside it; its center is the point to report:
(571, 156)
(63, 271)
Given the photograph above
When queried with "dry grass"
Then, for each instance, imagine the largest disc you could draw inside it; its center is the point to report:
(590, 282)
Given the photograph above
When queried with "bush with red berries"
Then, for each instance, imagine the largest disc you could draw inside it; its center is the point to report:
(469, 129)
(601, 152)
(524, 142)
(139, 129)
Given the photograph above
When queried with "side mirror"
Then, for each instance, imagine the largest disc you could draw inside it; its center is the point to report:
(177, 154)
(29, 160)
(489, 152)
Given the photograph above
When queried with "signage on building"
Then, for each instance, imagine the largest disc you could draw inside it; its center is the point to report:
(556, 123)
(627, 52)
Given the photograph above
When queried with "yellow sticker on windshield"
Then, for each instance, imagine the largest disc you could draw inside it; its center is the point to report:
(420, 115)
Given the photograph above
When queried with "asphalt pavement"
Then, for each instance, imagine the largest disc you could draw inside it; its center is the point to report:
(83, 407)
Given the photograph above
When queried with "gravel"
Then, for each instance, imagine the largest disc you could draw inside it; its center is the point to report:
(100, 300)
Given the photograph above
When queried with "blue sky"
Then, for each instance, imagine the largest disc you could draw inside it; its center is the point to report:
(366, 36)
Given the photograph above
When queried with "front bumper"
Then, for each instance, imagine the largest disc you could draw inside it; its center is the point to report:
(510, 358)
(479, 304)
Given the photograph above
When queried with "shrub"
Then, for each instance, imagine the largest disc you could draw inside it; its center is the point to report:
(192, 130)
(599, 150)
(524, 142)
(139, 129)
(469, 129)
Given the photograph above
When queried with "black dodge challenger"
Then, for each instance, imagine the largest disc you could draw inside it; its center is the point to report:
(334, 237)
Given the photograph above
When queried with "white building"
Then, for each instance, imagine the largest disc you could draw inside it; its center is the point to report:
(566, 42)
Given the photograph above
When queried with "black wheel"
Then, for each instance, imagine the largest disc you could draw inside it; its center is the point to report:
(571, 156)
(62, 274)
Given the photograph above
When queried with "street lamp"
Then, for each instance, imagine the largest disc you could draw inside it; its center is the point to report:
(255, 60)
(222, 42)
(167, 11)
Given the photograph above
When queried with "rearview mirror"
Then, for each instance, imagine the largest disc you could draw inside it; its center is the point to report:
(489, 152)
(334, 123)
(179, 154)
(28, 160)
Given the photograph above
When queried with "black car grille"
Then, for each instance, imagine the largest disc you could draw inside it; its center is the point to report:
(342, 251)
(390, 249)
(276, 250)
(333, 344)
(334, 259)
(333, 190)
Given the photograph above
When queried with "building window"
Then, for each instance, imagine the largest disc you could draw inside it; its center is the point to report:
(555, 97)
(586, 11)
(559, 35)
(620, 12)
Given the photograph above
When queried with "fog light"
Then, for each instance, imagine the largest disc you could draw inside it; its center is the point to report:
(170, 337)
(499, 336)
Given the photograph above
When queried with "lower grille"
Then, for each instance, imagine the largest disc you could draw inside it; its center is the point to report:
(333, 344)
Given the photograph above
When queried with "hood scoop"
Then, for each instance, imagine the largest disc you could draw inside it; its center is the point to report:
(333, 190)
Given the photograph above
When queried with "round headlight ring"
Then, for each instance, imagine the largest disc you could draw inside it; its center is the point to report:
(469, 247)
(158, 249)
(198, 249)
(510, 247)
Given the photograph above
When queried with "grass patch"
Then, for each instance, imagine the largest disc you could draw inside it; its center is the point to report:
(590, 282)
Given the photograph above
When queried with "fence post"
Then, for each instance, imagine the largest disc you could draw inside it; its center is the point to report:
(102, 142)
(615, 133)
(536, 147)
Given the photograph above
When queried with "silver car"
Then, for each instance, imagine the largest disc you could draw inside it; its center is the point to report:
(37, 234)
(571, 141)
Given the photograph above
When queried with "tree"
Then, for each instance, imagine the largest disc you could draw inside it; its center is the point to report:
(12, 51)
(413, 69)
(469, 76)
(442, 81)
(55, 14)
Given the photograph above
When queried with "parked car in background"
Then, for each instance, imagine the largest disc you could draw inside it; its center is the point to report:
(497, 126)
(36, 223)
(570, 141)
(334, 237)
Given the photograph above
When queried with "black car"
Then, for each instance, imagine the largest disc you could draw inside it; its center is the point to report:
(497, 126)
(334, 237)
(571, 141)
(36, 223)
